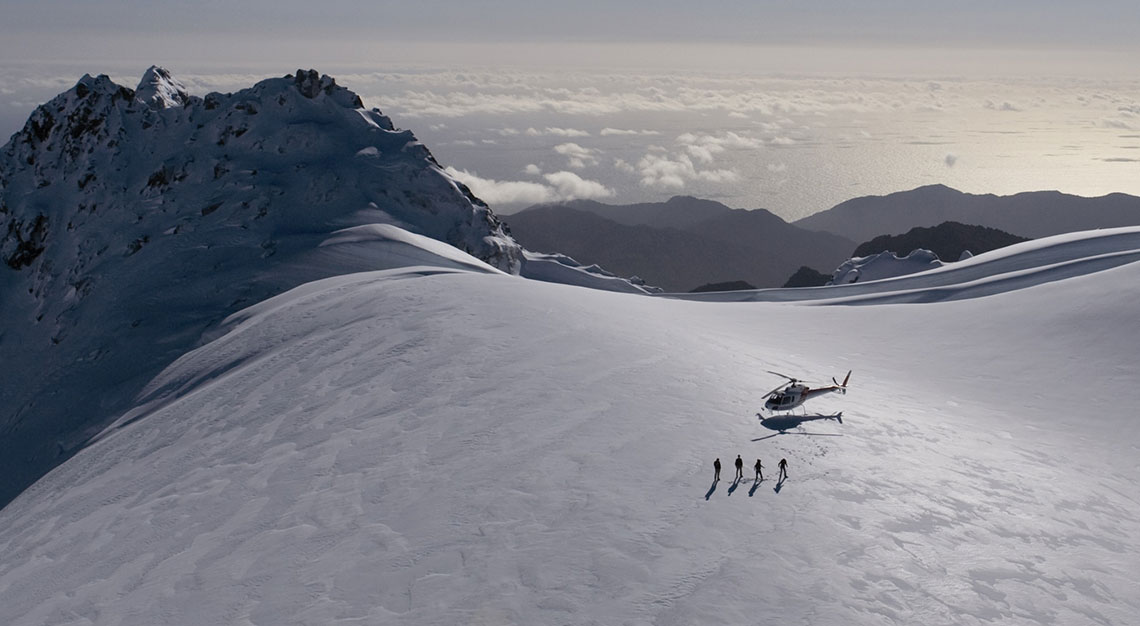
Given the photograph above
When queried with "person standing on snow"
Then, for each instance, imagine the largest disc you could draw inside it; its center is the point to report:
(783, 469)
(739, 467)
(759, 470)
(716, 470)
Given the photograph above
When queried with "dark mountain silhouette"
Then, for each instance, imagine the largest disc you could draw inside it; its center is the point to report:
(807, 277)
(734, 285)
(680, 244)
(679, 212)
(948, 240)
(1031, 214)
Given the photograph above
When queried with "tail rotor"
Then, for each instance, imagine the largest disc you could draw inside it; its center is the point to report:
(842, 387)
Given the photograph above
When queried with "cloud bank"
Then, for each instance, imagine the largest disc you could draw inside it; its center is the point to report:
(559, 186)
(557, 132)
(577, 156)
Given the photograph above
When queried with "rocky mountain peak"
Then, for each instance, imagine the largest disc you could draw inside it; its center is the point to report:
(134, 221)
(99, 143)
(311, 84)
(98, 86)
(61, 124)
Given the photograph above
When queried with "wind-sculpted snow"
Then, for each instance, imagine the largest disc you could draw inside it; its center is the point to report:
(561, 269)
(447, 446)
(1018, 266)
(884, 265)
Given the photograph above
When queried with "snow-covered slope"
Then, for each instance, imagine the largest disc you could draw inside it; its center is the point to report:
(133, 221)
(435, 445)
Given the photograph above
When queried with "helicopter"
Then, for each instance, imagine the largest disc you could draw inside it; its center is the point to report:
(794, 393)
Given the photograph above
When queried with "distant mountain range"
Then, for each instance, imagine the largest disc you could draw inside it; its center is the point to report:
(1031, 214)
(680, 244)
(687, 243)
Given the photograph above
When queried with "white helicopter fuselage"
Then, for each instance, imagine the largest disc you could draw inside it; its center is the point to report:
(787, 398)
(797, 393)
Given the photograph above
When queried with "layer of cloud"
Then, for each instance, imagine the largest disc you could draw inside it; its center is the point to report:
(576, 155)
(569, 186)
(502, 191)
(664, 171)
(705, 147)
(559, 186)
(692, 160)
(448, 94)
(622, 165)
(1002, 106)
(608, 132)
(557, 132)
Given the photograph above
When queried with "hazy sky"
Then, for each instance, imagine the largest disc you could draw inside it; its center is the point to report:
(1036, 22)
(264, 30)
(792, 106)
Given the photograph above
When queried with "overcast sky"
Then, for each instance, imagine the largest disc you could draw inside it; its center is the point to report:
(1034, 22)
(787, 105)
(257, 31)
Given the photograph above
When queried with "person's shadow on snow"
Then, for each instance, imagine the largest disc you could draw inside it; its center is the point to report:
(780, 485)
(735, 484)
(755, 486)
(712, 489)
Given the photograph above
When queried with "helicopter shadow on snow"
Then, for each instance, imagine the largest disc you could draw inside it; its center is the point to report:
(784, 423)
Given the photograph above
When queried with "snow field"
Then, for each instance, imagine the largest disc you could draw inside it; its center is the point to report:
(435, 446)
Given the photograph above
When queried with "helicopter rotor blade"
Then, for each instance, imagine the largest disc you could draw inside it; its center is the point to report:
(794, 380)
(771, 393)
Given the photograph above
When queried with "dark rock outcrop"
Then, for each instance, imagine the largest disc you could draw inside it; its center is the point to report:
(948, 240)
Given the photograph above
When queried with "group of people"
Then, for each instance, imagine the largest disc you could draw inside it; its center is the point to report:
(759, 467)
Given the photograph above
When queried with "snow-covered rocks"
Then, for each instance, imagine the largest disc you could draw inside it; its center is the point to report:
(884, 265)
(280, 150)
(133, 220)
